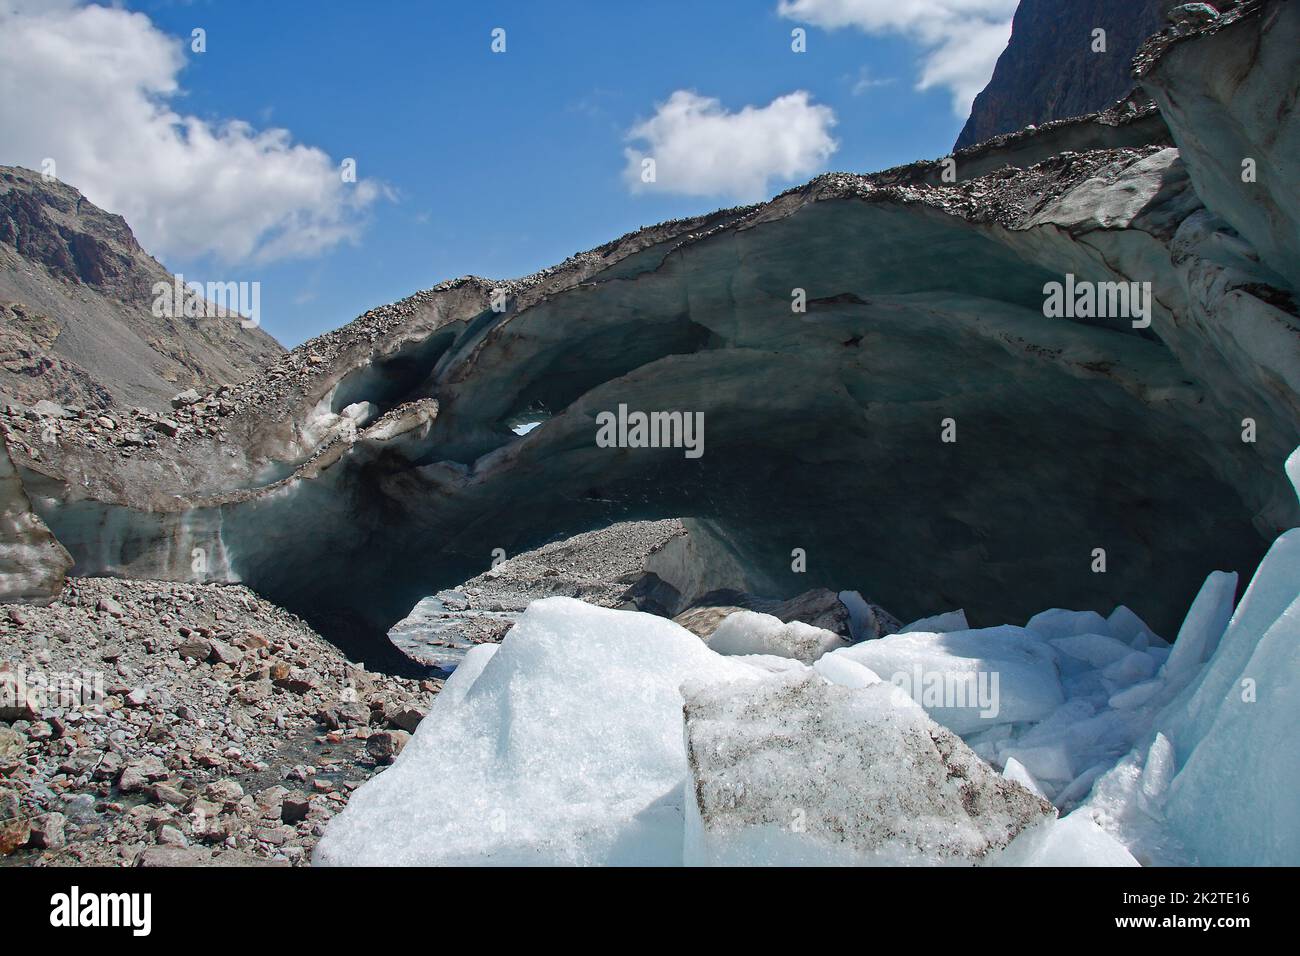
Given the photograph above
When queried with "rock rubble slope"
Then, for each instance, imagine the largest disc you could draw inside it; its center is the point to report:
(76, 309)
(146, 723)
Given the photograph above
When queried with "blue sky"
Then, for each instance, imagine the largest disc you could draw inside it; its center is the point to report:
(483, 163)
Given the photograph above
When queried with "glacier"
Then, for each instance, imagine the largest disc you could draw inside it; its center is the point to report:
(612, 737)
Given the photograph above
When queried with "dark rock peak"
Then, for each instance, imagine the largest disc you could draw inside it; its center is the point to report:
(77, 256)
(1049, 70)
(51, 223)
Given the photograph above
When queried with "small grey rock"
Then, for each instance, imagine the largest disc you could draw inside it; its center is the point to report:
(387, 744)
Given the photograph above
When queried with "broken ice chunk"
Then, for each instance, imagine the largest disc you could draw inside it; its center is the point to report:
(969, 680)
(1204, 625)
(939, 623)
(1097, 650)
(1126, 626)
(1137, 695)
(1074, 840)
(1234, 797)
(1078, 788)
(1128, 670)
(796, 770)
(466, 673)
(1015, 770)
(1159, 769)
(567, 749)
(1049, 764)
(748, 632)
(838, 669)
(1059, 622)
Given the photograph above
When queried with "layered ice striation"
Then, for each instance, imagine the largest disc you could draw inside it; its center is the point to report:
(32, 563)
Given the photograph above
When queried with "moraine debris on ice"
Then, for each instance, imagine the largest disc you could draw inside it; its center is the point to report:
(795, 770)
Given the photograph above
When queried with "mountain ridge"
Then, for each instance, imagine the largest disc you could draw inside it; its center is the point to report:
(76, 318)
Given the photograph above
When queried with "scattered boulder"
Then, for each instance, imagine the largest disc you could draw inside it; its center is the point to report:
(224, 791)
(47, 409)
(346, 714)
(15, 823)
(12, 745)
(223, 653)
(169, 835)
(172, 856)
(106, 605)
(137, 697)
(168, 794)
(294, 807)
(137, 774)
(406, 718)
(185, 718)
(387, 744)
(271, 799)
(195, 648)
(49, 831)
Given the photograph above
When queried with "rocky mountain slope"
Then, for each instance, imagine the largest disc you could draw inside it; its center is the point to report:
(76, 320)
(1049, 70)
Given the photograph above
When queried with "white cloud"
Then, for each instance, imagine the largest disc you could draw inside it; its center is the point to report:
(91, 87)
(962, 38)
(700, 149)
